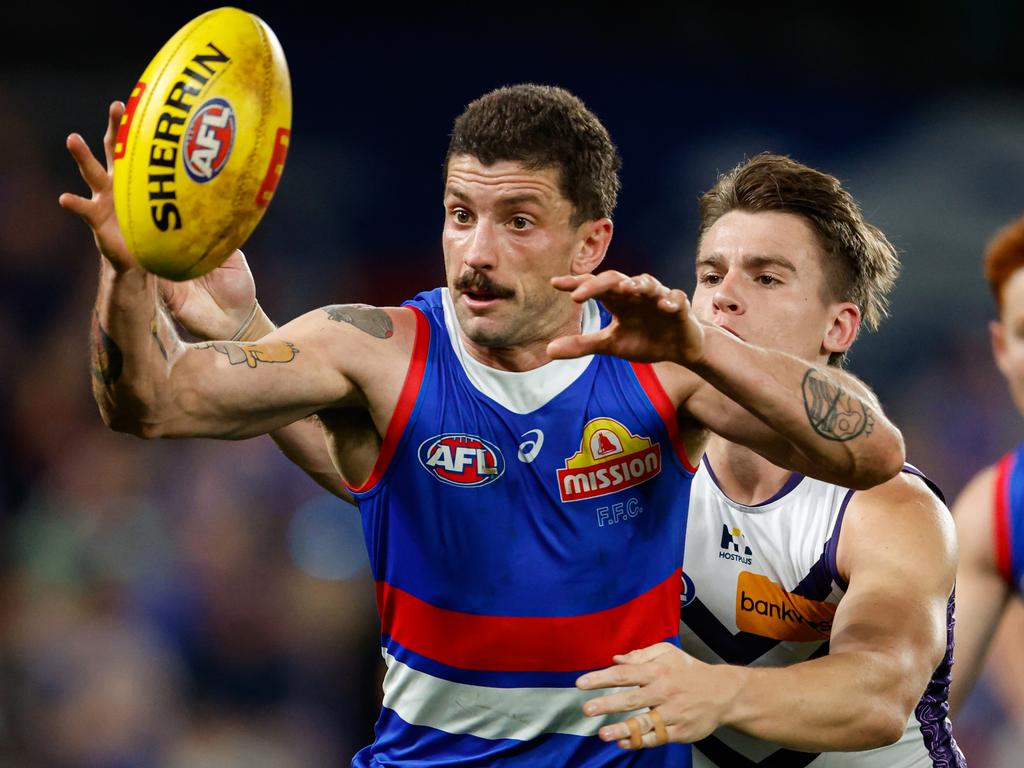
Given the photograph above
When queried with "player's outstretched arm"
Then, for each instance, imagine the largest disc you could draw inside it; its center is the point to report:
(981, 592)
(815, 419)
(885, 643)
(147, 381)
(222, 305)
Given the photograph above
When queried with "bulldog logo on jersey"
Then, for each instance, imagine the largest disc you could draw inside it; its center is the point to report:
(464, 460)
(610, 459)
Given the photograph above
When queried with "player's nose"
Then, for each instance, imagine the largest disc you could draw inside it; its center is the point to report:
(481, 248)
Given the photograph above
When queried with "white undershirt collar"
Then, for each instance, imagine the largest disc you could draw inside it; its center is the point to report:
(520, 391)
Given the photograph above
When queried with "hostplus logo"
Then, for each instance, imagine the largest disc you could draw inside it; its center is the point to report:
(734, 546)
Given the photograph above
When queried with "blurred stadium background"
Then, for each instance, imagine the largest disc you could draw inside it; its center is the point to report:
(203, 604)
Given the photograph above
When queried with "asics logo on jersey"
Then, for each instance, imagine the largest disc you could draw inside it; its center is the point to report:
(460, 459)
(528, 449)
(610, 459)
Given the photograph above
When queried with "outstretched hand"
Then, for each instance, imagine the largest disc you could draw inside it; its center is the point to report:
(98, 211)
(690, 696)
(650, 322)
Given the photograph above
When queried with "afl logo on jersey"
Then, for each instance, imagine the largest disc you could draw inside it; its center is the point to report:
(208, 140)
(458, 459)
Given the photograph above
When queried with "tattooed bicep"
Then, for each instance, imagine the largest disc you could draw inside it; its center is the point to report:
(367, 319)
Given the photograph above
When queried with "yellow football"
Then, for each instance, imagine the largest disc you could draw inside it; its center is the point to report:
(202, 143)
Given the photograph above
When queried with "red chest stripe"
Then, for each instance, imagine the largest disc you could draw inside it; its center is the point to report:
(529, 643)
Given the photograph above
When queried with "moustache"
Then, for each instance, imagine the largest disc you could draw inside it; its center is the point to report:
(479, 282)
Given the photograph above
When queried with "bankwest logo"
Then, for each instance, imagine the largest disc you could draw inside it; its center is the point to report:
(765, 608)
(610, 459)
(458, 459)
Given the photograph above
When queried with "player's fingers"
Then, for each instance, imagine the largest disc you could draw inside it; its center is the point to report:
(577, 346)
(95, 175)
(110, 137)
(642, 655)
(645, 285)
(569, 282)
(75, 204)
(627, 700)
(673, 301)
(598, 284)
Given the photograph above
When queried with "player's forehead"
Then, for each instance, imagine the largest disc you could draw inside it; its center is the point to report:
(762, 238)
(503, 181)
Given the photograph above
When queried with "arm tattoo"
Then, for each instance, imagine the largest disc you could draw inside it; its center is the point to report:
(832, 411)
(253, 353)
(367, 319)
(107, 361)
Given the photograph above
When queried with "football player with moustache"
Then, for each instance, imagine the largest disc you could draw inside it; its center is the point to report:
(514, 341)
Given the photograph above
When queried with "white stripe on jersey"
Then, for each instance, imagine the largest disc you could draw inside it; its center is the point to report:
(490, 713)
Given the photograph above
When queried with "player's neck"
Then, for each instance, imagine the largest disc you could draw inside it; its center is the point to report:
(743, 475)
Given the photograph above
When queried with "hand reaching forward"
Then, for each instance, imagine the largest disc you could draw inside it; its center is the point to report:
(98, 211)
(650, 322)
(691, 697)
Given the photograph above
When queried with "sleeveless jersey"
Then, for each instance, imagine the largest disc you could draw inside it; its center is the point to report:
(522, 528)
(1008, 528)
(760, 589)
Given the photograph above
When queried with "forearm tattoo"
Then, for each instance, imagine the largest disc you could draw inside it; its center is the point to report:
(833, 412)
(107, 360)
(253, 353)
(367, 319)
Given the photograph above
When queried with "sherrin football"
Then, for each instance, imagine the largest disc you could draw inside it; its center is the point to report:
(202, 144)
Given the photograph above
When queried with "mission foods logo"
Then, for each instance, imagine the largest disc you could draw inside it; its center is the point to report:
(610, 459)
(464, 460)
(209, 139)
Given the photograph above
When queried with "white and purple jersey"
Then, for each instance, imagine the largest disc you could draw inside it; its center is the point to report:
(1008, 525)
(522, 528)
(761, 587)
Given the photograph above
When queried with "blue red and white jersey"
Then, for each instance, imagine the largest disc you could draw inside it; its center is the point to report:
(522, 528)
(1008, 525)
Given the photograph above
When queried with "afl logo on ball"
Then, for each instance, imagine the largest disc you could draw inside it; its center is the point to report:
(458, 459)
(208, 140)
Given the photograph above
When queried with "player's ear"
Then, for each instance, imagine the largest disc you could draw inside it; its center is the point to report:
(592, 242)
(842, 332)
(997, 332)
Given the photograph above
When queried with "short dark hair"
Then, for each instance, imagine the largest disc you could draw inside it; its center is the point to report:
(542, 126)
(861, 264)
(1003, 257)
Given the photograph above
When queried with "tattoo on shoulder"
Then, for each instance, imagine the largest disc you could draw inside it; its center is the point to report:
(833, 412)
(253, 353)
(107, 360)
(367, 319)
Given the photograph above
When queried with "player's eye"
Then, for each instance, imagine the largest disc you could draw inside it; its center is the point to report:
(710, 278)
(461, 216)
(767, 279)
(520, 222)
